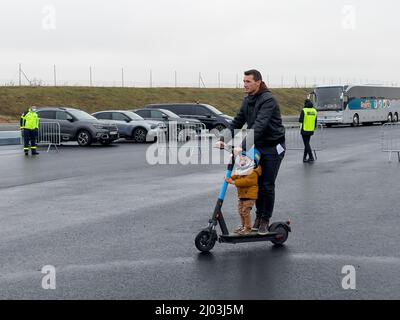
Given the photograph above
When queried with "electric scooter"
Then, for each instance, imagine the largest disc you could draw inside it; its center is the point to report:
(278, 232)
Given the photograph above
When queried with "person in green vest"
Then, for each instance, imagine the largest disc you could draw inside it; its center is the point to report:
(308, 120)
(29, 124)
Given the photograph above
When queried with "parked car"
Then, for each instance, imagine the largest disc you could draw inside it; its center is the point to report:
(207, 114)
(190, 127)
(78, 125)
(168, 116)
(132, 126)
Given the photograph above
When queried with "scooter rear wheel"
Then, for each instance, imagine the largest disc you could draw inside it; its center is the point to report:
(205, 241)
(282, 235)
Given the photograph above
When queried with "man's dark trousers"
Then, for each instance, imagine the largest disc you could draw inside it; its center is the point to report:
(270, 163)
(307, 147)
(30, 139)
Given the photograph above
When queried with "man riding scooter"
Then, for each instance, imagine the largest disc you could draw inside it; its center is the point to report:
(261, 112)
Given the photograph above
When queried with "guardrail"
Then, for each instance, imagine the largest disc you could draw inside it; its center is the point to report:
(48, 133)
(390, 139)
(294, 140)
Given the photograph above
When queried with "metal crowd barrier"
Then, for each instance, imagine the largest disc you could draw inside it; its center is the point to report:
(294, 140)
(49, 133)
(390, 139)
(188, 135)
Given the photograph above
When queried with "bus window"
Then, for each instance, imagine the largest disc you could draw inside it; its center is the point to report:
(329, 98)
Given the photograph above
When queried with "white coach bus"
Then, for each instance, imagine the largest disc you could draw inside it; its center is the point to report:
(355, 105)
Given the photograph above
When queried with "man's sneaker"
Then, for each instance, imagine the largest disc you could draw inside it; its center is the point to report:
(256, 224)
(263, 229)
(35, 153)
(26, 153)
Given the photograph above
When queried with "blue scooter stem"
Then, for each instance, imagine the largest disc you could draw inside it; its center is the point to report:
(217, 215)
(228, 176)
(224, 187)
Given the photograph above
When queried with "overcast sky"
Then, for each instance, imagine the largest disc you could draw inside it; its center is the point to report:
(353, 39)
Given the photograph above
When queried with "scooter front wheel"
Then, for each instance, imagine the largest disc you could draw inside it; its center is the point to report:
(205, 241)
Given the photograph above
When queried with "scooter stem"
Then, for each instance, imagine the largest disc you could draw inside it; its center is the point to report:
(228, 175)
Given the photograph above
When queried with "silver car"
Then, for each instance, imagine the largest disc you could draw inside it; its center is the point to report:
(132, 126)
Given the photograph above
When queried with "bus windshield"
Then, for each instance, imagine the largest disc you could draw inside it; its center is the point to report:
(329, 98)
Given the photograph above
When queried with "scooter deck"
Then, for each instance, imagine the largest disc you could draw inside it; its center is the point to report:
(252, 237)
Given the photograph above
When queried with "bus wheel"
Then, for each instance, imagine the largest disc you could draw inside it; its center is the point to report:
(396, 117)
(389, 117)
(356, 120)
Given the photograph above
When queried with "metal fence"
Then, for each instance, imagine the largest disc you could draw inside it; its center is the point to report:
(294, 140)
(390, 139)
(49, 133)
(188, 135)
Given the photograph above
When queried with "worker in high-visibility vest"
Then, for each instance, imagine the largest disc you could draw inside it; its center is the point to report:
(30, 126)
(308, 120)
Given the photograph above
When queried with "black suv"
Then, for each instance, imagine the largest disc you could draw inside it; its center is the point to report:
(77, 125)
(209, 115)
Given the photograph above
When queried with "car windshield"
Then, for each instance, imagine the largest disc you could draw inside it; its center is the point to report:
(133, 116)
(81, 115)
(329, 98)
(213, 109)
(170, 114)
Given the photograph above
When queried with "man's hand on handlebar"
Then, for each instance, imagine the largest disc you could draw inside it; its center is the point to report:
(220, 145)
(237, 151)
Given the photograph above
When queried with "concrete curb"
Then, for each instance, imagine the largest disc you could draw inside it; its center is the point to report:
(10, 138)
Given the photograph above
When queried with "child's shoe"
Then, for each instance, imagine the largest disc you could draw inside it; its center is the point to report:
(245, 231)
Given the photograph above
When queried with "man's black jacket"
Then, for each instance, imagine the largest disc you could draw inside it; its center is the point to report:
(264, 117)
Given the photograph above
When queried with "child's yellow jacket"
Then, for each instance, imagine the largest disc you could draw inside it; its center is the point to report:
(248, 185)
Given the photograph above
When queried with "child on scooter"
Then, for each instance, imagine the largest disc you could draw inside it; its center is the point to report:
(245, 178)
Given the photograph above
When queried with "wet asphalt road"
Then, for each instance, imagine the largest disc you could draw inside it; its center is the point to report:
(116, 227)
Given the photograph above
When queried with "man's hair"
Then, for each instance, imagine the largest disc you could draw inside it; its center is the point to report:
(308, 104)
(255, 73)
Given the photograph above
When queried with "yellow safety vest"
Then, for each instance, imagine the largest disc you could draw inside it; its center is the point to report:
(310, 115)
(30, 121)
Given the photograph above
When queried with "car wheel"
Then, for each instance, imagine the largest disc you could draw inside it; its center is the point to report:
(396, 117)
(220, 127)
(389, 117)
(84, 138)
(139, 135)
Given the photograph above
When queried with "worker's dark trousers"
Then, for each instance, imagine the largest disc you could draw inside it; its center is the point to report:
(270, 163)
(307, 147)
(30, 137)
